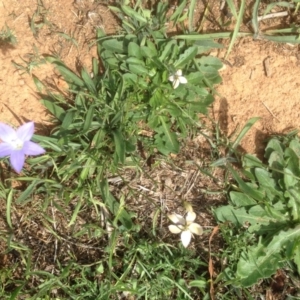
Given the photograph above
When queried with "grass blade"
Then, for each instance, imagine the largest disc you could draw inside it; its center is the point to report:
(237, 27)
(8, 208)
(246, 128)
(255, 18)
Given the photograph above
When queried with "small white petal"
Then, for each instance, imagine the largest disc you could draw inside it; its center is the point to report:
(196, 228)
(176, 83)
(171, 78)
(177, 219)
(179, 72)
(182, 80)
(186, 238)
(174, 229)
(190, 217)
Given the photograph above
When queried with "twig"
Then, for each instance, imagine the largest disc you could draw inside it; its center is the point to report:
(54, 226)
(267, 66)
(268, 109)
(273, 15)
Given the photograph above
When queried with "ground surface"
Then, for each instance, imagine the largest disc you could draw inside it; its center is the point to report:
(247, 90)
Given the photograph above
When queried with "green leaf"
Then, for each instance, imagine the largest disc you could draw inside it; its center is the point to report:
(54, 109)
(237, 27)
(292, 161)
(289, 179)
(147, 52)
(178, 12)
(88, 82)
(8, 208)
(274, 145)
(88, 119)
(137, 69)
(167, 50)
(114, 206)
(113, 46)
(240, 216)
(241, 199)
(170, 138)
(254, 265)
(264, 178)
(295, 146)
(133, 14)
(206, 45)
(262, 261)
(296, 256)
(120, 146)
(186, 57)
(27, 192)
(134, 50)
(69, 75)
(246, 188)
(243, 132)
(68, 118)
(210, 61)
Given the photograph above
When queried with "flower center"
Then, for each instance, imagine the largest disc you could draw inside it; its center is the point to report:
(17, 144)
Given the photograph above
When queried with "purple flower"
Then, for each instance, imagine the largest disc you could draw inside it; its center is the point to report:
(16, 144)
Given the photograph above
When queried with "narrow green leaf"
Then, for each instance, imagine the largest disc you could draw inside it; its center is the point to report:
(255, 23)
(237, 27)
(27, 193)
(133, 14)
(54, 109)
(88, 82)
(186, 57)
(231, 6)
(243, 132)
(167, 49)
(178, 12)
(75, 213)
(88, 119)
(114, 206)
(120, 145)
(171, 140)
(247, 189)
(8, 208)
(69, 75)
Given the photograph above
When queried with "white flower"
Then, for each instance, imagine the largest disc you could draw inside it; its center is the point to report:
(177, 78)
(185, 226)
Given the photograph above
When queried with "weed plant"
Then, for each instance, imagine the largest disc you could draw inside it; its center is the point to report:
(264, 209)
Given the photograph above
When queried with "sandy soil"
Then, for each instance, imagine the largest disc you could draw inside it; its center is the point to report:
(248, 89)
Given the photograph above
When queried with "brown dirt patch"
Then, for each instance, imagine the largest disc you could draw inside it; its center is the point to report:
(249, 90)
(43, 27)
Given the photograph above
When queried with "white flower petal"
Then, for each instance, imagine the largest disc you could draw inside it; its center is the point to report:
(177, 219)
(176, 83)
(174, 229)
(196, 228)
(171, 78)
(178, 72)
(190, 217)
(182, 80)
(186, 238)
